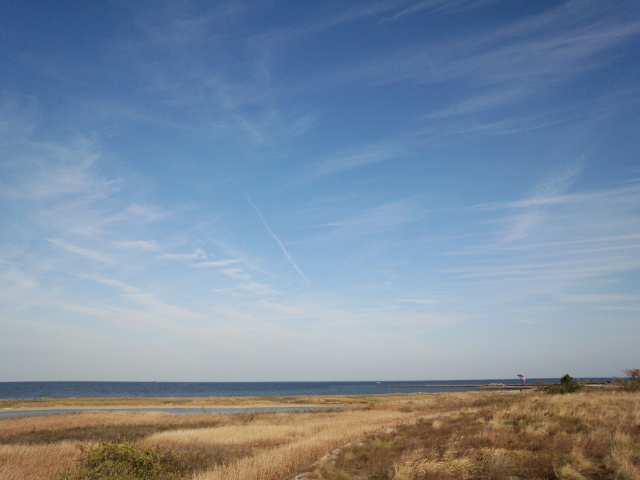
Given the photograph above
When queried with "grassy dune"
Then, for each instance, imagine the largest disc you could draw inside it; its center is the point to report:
(590, 435)
(587, 435)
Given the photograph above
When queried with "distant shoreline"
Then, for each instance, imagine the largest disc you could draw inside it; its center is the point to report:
(487, 387)
(73, 395)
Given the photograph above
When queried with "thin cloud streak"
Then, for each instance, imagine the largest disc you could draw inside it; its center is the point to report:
(355, 158)
(280, 244)
(439, 6)
(83, 252)
(216, 263)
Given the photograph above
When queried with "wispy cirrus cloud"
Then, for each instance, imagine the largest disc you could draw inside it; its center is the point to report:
(245, 282)
(197, 254)
(354, 158)
(387, 217)
(47, 171)
(437, 6)
(543, 195)
(308, 315)
(568, 244)
(138, 244)
(506, 67)
(88, 253)
(216, 263)
(257, 288)
(80, 220)
(156, 312)
(236, 273)
(196, 62)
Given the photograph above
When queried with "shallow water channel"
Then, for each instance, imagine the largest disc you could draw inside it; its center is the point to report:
(177, 411)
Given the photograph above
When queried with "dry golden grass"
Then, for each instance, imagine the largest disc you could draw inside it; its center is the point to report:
(252, 442)
(588, 435)
(36, 462)
(282, 442)
(275, 429)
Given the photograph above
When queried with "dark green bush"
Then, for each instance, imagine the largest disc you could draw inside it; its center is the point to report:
(125, 461)
(567, 385)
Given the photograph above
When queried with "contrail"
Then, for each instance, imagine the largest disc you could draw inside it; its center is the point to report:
(284, 250)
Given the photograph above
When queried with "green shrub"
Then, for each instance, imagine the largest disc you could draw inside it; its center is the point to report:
(125, 461)
(567, 385)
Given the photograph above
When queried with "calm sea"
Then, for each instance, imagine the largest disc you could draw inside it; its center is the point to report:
(9, 390)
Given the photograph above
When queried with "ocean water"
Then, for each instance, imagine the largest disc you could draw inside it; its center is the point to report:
(28, 390)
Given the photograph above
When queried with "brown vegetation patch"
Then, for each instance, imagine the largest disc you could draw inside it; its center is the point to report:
(191, 402)
(102, 433)
(583, 436)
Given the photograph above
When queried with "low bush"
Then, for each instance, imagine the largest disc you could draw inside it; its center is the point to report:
(125, 461)
(632, 383)
(567, 385)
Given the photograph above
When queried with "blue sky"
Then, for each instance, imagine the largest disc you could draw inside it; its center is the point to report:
(369, 190)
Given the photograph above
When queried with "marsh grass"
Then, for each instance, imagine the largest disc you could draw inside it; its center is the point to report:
(98, 426)
(586, 435)
(190, 402)
(591, 435)
(22, 462)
